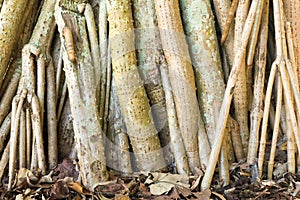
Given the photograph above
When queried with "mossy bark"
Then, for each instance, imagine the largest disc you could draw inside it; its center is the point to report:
(150, 56)
(222, 8)
(199, 27)
(11, 15)
(181, 76)
(129, 86)
(240, 92)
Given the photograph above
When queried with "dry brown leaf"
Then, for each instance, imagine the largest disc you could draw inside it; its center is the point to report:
(162, 183)
(144, 190)
(198, 172)
(121, 197)
(161, 188)
(186, 192)
(171, 196)
(47, 178)
(205, 195)
(60, 190)
(26, 176)
(66, 169)
(77, 187)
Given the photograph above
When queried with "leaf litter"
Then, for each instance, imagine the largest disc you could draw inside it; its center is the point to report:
(63, 182)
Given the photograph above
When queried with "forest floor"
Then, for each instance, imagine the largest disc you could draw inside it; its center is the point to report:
(62, 183)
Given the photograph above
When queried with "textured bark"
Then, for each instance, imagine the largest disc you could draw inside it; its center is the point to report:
(292, 13)
(6, 99)
(150, 56)
(222, 8)
(80, 76)
(51, 117)
(228, 96)
(11, 15)
(103, 44)
(117, 147)
(129, 86)
(199, 28)
(205, 56)
(4, 159)
(66, 143)
(4, 131)
(13, 73)
(176, 143)
(259, 77)
(181, 76)
(240, 92)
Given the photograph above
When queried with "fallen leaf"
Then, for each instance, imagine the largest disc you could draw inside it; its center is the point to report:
(66, 169)
(144, 190)
(110, 188)
(121, 197)
(205, 195)
(173, 194)
(198, 172)
(60, 190)
(77, 187)
(186, 192)
(25, 176)
(161, 188)
(162, 183)
(47, 178)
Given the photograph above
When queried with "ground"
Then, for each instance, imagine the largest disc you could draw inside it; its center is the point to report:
(63, 183)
